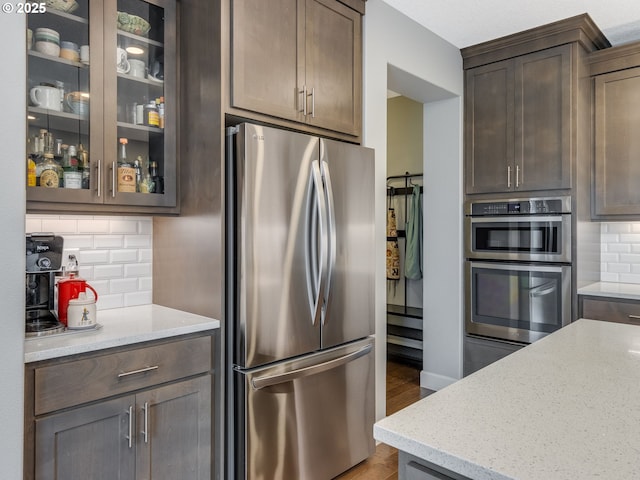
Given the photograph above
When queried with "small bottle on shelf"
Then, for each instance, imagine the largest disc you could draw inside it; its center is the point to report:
(51, 175)
(72, 175)
(83, 166)
(31, 172)
(161, 112)
(126, 171)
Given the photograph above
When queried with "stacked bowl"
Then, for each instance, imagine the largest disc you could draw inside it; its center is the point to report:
(47, 41)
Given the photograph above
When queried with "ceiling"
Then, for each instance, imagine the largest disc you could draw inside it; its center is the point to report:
(468, 22)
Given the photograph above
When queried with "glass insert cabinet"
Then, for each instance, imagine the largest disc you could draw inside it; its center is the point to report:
(102, 106)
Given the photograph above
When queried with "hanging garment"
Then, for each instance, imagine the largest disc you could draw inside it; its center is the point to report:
(393, 252)
(413, 256)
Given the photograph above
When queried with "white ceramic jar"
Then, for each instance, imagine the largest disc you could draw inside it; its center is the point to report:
(81, 312)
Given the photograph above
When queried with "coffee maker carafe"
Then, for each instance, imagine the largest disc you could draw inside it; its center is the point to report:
(44, 259)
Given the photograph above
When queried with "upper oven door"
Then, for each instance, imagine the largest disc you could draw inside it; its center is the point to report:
(540, 238)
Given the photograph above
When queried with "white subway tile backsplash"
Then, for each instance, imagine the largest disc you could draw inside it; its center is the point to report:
(123, 256)
(137, 270)
(108, 241)
(137, 298)
(93, 226)
(59, 225)
(92, 257)
(620, 252)
(125, 226)
(114, 253)
(108, 272)
(137, 241)
(123, 285)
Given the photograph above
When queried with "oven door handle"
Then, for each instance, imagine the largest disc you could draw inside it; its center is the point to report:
(542, 290)
(514, 219)
(520, 267)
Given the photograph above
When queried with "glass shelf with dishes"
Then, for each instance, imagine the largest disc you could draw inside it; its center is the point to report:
(58, 91)
(140, 51)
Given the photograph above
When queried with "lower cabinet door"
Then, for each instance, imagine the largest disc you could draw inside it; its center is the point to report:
(175, 424)
(95, 442)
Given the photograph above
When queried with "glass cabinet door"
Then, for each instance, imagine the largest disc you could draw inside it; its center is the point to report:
(102, 80)
(63, 101)
(140, 70)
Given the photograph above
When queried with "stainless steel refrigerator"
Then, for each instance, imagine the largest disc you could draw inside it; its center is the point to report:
(300, 309)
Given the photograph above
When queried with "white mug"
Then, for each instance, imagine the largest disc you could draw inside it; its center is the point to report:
(46, 97)
(122, 64)
(84, 54)
(137, 68)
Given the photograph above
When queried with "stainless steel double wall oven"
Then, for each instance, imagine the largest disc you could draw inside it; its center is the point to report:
(518, 267)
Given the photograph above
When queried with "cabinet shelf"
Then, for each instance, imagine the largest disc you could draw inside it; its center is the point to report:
(64, 121)
(137, 132)
(401, 310)
(51, 58)
(144, 81)
(140, 39)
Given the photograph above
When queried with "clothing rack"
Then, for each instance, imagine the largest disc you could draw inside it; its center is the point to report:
(406, 322)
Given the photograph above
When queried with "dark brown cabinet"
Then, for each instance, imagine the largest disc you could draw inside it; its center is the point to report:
(135, 413)
(518, 123)
(298, 60)
(116, 74)
(610, 309)
(617, 143)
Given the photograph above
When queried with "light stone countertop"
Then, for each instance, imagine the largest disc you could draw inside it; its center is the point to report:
(566, 407)
(119, 326)
(629, 291)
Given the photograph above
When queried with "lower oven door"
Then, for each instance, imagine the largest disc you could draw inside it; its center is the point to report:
(517, 301)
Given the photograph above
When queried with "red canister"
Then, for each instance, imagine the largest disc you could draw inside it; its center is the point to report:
(69, 289)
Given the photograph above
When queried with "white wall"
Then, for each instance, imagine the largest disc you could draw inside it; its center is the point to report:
(12, 259)
(401, 55)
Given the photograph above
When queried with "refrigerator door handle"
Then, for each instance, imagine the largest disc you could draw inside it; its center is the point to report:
(270, 380)
(331, 232)
(322, 236)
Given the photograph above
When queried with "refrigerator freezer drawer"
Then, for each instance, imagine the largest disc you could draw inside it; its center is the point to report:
(308, 418)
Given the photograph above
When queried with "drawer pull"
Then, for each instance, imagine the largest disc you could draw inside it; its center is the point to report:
(634, 317)
(135, 372)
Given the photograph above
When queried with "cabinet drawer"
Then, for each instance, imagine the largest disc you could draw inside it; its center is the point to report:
(84, 380)
(611, 311)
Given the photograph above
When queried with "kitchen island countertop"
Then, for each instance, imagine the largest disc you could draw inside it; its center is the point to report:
(565, 407)
(119, 326)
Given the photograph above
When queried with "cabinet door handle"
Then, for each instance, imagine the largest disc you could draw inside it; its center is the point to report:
(313, 102)
(517, 176)
(145, 432)
(508, 176)
(130, 436)
(634, 318)
(140, 370)
(113, 179)
(99, 176)
(303, 92)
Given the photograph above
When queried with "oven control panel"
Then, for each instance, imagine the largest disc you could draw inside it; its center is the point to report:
(536, 206)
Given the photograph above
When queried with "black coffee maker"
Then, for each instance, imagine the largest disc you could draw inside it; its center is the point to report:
(44, 259)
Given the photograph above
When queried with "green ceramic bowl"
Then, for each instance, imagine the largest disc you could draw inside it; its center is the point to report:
(133, 24)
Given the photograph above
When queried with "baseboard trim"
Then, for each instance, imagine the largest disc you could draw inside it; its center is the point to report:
(433, 381)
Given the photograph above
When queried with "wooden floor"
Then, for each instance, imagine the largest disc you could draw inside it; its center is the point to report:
(403, 388)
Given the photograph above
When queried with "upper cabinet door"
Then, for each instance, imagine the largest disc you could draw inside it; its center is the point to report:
(489, 115)
(333, 59)
(140, 68)
(543, 120)
(298, 61)
(617, 143)
(265, 65)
